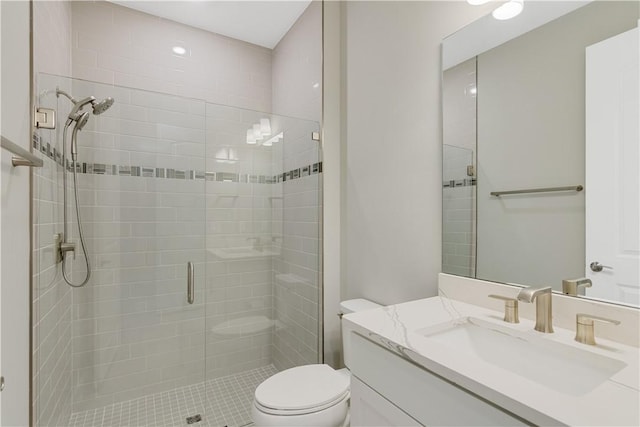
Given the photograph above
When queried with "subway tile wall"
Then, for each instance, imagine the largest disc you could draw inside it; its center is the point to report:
(458, 213)
(133, 332)
(459, 90)
(297, 281)
(116, 45)
(51, 297)
(239, 247)
(130, 331)
(297, 275)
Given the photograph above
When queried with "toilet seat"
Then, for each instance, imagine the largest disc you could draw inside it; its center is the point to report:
(302, 390)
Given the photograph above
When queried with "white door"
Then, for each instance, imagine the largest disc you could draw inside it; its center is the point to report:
(612, 177)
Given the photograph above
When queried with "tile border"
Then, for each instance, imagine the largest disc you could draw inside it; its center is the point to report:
(172, 173)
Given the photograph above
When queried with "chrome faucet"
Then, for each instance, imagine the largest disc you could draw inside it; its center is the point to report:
(542, 297)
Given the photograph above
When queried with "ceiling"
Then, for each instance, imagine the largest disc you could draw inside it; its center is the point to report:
(259, 22)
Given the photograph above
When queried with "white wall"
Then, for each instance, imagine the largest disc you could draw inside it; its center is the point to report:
(393, 179)
(15, 214)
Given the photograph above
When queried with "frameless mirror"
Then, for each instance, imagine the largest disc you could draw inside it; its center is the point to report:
(540, 156)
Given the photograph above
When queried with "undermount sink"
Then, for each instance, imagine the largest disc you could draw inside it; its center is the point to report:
(561, 367)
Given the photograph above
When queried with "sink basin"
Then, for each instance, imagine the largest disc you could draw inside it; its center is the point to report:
(558, 366)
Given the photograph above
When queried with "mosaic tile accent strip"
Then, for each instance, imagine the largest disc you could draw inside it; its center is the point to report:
(467, 182)
(222, 401)
(171, 173)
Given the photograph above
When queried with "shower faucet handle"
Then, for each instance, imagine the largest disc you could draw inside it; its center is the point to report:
(67, 247)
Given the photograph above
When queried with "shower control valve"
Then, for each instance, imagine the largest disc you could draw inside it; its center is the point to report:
(68, 247)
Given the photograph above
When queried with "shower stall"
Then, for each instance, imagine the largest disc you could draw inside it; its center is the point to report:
(202, 227)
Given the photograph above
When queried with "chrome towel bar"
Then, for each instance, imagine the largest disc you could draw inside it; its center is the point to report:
(538, 190)
(22, 157)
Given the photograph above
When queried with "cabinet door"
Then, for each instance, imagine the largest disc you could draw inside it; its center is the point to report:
(428, 398)
(370, 409)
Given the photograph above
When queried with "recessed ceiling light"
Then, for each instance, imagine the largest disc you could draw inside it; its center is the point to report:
(179, 50)
(508, 10)
(316, 85)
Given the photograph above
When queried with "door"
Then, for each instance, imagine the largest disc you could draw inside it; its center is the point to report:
(612, 177)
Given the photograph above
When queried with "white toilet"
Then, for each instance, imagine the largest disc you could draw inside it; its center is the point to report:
(309, 395)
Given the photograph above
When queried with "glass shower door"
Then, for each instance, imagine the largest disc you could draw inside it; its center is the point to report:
(263, 228)
(458, 211)
(128, 347)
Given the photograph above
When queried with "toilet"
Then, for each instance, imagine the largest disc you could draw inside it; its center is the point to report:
(309, 395)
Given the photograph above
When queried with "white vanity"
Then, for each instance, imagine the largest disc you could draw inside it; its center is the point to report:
(439, 361)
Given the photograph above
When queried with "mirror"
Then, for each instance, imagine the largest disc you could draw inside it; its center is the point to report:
(540, 149)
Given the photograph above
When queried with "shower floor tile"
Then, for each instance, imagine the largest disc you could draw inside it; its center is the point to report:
(222, 401)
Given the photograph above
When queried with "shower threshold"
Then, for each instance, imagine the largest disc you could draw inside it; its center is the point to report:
(224, 401)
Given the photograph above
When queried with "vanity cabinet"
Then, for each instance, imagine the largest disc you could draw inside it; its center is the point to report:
(389, 390)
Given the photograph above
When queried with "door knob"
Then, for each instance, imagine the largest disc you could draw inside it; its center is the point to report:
(596, 266)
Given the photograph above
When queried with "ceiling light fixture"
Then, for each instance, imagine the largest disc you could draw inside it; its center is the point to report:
(508, 10)
(477, 2)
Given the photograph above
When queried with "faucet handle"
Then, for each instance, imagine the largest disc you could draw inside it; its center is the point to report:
(510, 308)
(585, 330)
(571, 286)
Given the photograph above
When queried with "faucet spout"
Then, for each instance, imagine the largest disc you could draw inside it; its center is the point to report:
(542, 298)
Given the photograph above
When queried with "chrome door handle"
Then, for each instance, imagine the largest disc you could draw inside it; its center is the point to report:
(190, 277)
(596, 266)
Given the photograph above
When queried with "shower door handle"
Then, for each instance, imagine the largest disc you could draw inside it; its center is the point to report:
(190, 277)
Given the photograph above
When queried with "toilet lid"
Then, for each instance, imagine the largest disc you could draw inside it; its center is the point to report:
(302, 388)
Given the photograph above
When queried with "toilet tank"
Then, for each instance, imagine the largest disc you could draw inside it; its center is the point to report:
(352, 306)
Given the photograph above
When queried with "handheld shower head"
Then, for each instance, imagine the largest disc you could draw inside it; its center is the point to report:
(80, 122)
(102, 106)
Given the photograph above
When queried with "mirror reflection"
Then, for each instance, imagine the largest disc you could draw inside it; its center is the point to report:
(540, 178)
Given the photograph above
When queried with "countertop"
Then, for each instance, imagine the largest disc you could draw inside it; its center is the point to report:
(616, 401)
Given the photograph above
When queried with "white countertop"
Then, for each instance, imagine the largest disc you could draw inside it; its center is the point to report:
(615, 401)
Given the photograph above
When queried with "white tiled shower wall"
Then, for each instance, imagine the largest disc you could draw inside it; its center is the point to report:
(133, 331)
(116, 45)
(458, 213)
(238, 216)
(297, 92)
(458, 196)
(51, 297)
(132, 221)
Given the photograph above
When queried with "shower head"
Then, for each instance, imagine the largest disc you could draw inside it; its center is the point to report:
(98, 107)
(102, 106)
(80, 122)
